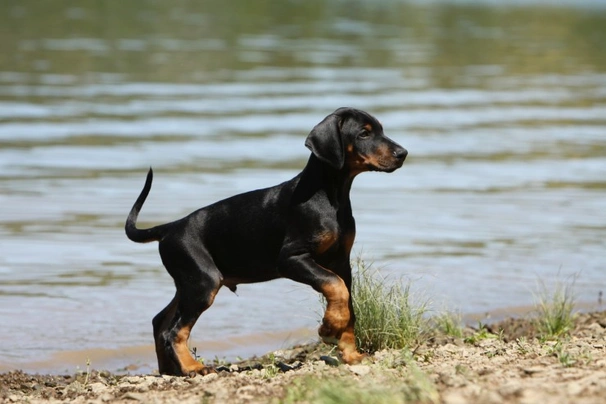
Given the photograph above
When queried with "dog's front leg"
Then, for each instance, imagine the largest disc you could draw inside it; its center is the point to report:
(339, 320)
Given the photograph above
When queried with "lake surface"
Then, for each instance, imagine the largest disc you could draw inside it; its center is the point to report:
(502, 109)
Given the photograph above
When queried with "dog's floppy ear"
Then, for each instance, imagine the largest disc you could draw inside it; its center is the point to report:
(325, 141)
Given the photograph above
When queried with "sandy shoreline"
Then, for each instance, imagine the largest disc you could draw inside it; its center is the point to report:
(504, 364)
(141, 358)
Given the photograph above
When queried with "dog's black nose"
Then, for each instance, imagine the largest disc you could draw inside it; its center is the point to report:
(400, 153)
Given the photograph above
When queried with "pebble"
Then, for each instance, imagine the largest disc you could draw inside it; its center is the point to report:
(284, 367)
(146, 384)
(531, 396)
(210, 377)
(511, 388)
(106, 397)
(490, 397)
(454, 397)
(134, 396)
(132, 379)
(97, 388)
(575, 388)
(329, 360)
(533, 370)
(595, 329)
(360, 370)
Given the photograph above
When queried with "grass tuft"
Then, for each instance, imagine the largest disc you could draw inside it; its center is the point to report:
(385, 316)
(555, 309)
(449, 324)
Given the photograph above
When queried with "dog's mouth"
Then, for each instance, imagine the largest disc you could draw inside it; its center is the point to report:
(390, 159)
(387, 166)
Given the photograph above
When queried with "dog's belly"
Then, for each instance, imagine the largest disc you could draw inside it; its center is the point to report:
(249, 270)
(248, 258)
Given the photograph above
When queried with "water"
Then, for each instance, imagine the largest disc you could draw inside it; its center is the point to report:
(502, 108)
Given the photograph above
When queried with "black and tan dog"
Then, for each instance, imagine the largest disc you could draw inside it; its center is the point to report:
(302, 229)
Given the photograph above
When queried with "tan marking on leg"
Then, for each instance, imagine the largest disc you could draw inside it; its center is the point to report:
(347, 346)
(338, 323)
(337, 314)
(187, 362)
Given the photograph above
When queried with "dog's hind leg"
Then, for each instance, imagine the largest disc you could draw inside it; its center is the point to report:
(166, 365)
(197, 283)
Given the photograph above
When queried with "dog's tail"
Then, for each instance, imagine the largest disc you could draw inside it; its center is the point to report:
(142, 235)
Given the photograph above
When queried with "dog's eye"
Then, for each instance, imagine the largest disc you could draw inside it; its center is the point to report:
(364, 134)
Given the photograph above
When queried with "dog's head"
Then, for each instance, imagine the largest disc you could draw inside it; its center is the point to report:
(353, 140)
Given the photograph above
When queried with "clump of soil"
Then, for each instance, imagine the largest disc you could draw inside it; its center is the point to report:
(503, 363)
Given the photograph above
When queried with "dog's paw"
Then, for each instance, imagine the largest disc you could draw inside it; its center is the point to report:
(330, 340)
(328, 334)
(354, 357)
(198, 369)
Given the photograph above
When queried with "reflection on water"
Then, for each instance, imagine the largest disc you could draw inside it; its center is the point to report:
(501, 109)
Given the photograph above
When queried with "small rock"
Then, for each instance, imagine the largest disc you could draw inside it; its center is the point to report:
(360, 370)
(511, 389)
(97, 388)
(575, 388)
(145, 385)
(106, 397)
(454, 397)
(533, 370)
(281, 354)
(210, 377)
(246, 393)
(132, 379)
(167, 378)
(329, 360)
(180, 382)
(531, 396)
(490, 397)
(550, 343)
(486, 371)
(134, 397)
(284, 367)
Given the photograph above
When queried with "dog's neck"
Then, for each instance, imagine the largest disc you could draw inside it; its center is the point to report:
(319, 176)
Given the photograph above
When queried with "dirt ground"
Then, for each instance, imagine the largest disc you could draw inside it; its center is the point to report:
(503, 363)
